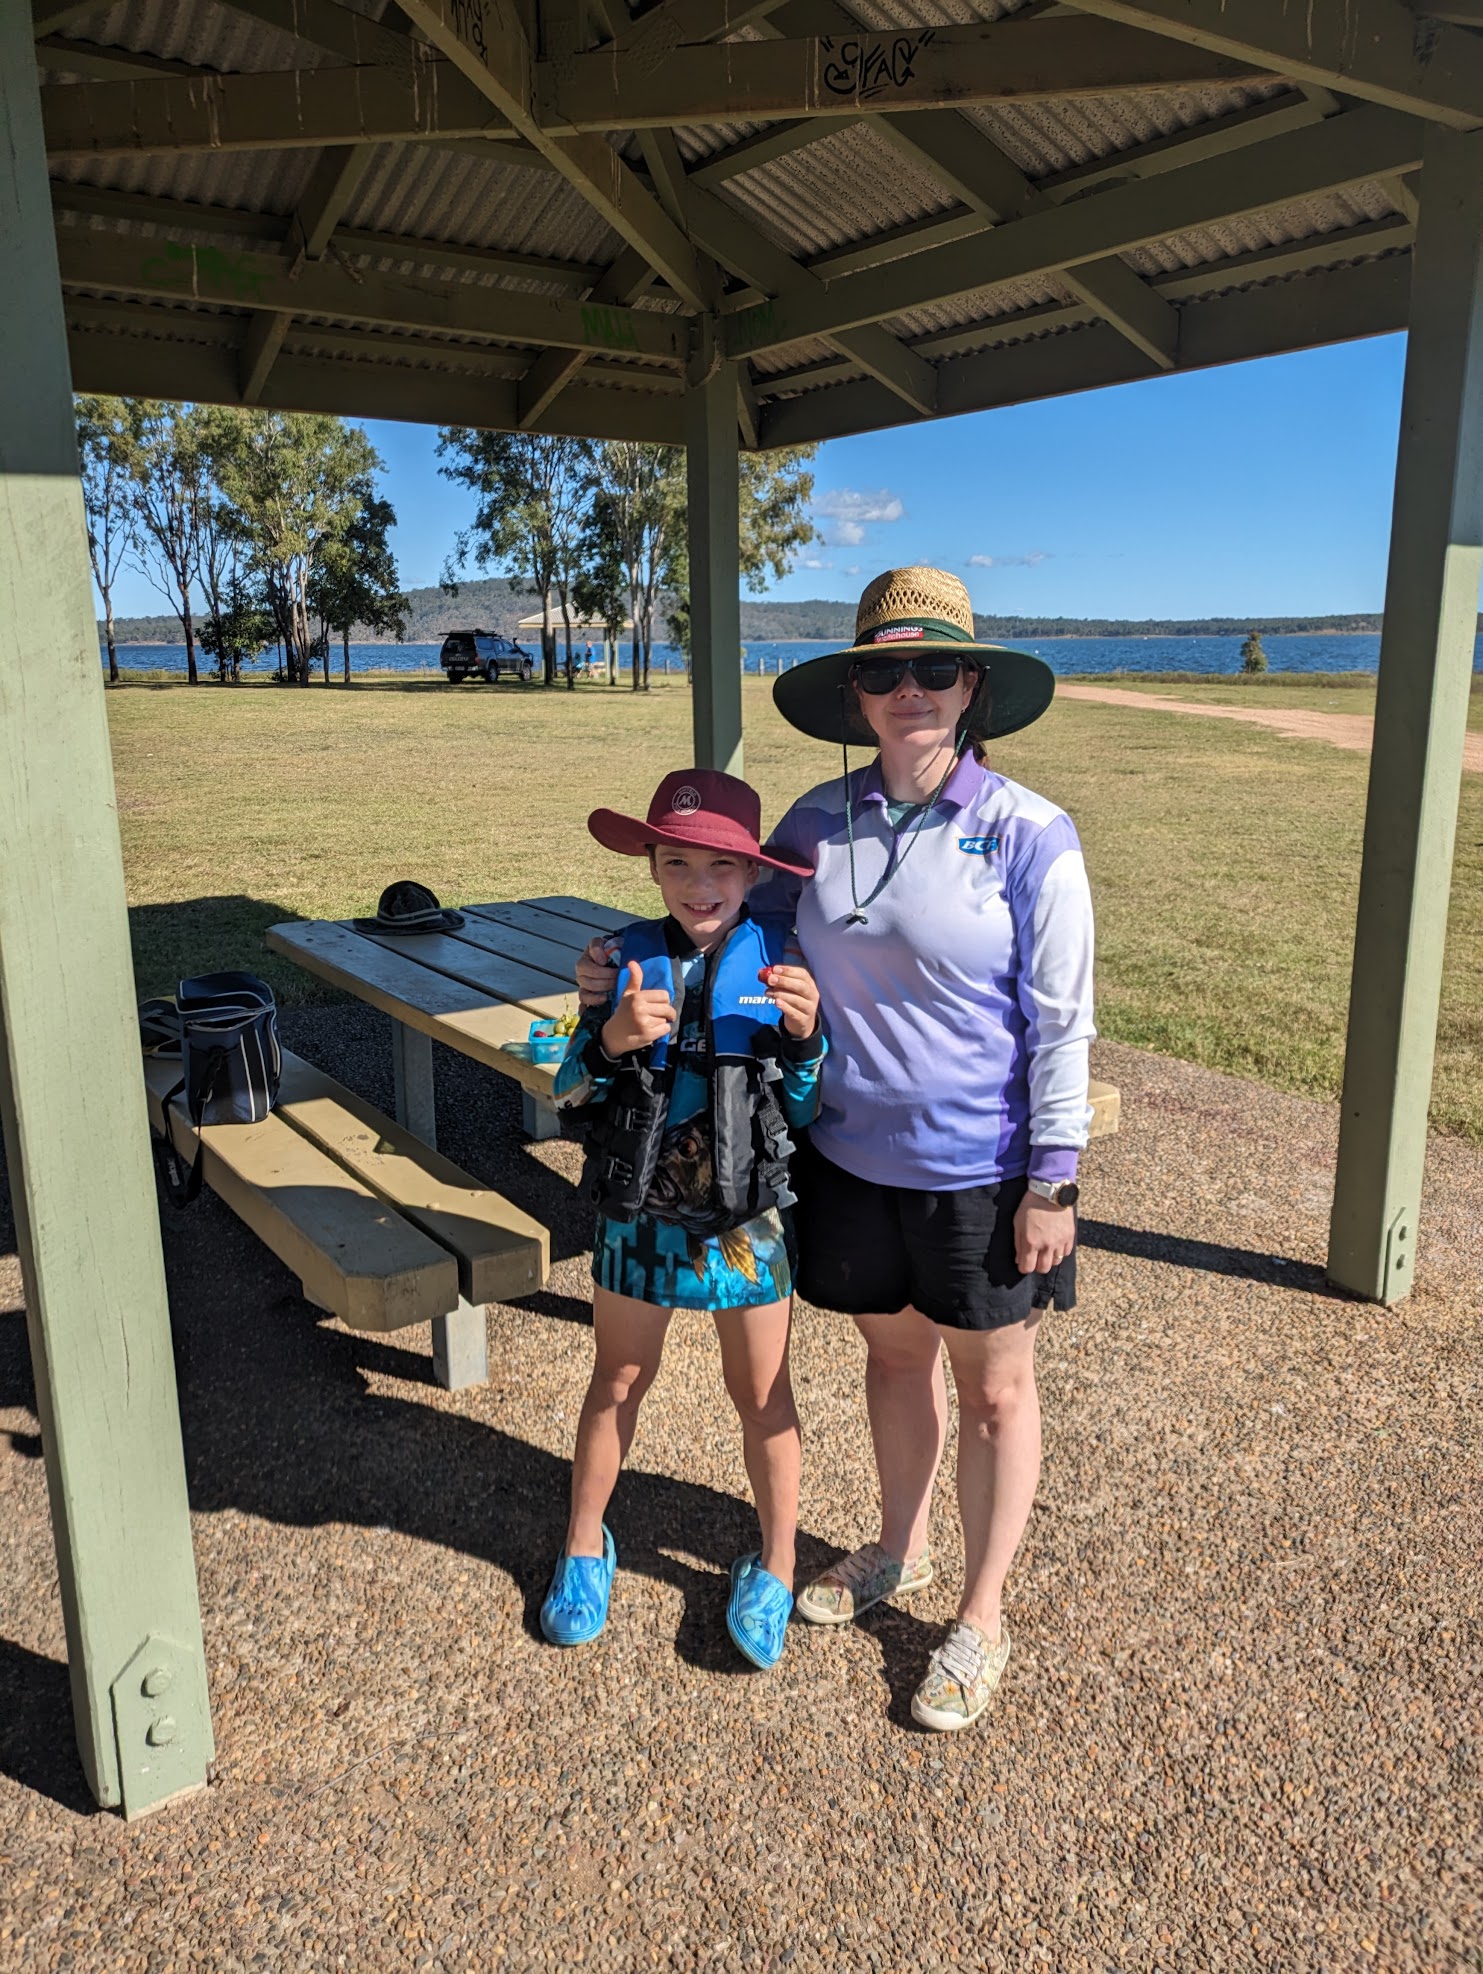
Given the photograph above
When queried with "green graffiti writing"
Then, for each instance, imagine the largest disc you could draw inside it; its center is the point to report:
(613, 328)
(753, 327)
(205, 269)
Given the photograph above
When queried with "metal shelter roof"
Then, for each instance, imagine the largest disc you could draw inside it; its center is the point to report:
(536, 214)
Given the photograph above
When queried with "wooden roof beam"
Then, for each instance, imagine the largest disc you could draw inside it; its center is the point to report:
(165, 270)
(740, 245)
(128, 366)
(780, 140)
(825, 76)
(1342, 151)
(1336, 306)
(358, 38)
(1374, 49)
(496, 58)
(139, 208)
(281, 110)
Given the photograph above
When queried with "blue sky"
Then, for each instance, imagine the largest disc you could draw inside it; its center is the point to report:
(1253, 490)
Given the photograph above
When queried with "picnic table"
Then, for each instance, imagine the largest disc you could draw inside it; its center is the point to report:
(478, 989)
(475, 990)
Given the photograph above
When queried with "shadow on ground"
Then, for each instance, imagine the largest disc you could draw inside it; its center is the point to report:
(213, 935)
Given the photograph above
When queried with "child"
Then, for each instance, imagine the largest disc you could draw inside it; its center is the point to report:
(709, 1053)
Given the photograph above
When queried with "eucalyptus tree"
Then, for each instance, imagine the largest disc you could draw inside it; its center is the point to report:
(637, 491)
(297, 482)
(356, 581)
(107, 432)
(532, 491)
(170, 490)
(774, 494)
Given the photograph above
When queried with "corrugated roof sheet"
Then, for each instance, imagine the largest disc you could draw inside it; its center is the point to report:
(436, 194)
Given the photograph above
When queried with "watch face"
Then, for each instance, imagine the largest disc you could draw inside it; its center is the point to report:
(1068, 1195)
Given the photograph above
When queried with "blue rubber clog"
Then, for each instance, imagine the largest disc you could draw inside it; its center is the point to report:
(758, 1611)
(576, 1606)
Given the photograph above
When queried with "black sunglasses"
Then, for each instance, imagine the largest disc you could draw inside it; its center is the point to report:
(933, 672)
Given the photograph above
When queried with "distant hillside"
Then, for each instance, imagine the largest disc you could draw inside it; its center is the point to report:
(494, 603)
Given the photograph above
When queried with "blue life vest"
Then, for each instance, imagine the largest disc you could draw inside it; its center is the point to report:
(748, 1135)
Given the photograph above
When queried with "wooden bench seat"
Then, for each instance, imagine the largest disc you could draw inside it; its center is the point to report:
(381, 1230)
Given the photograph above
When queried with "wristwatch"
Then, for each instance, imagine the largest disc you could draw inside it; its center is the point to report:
(1067, 1193)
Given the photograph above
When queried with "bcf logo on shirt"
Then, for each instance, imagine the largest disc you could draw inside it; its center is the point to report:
(978, 846)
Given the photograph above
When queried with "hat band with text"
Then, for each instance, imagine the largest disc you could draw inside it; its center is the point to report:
(903, 630)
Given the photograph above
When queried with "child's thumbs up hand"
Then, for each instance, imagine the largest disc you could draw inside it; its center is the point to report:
(642, 1015)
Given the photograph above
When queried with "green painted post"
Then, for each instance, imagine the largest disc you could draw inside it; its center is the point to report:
(71, 1094)
(1426, 661)
(715, 573)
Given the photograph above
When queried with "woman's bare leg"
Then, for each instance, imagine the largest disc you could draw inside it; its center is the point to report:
(754, 1359)
(628, 1341)
(998, 1457)
(906, 1398)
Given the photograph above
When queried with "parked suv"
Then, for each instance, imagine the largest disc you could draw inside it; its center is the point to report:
(486, 655)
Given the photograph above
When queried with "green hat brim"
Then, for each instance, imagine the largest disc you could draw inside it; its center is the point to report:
(816, 698)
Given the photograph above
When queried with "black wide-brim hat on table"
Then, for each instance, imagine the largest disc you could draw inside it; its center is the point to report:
(901, 613)
(407, 907)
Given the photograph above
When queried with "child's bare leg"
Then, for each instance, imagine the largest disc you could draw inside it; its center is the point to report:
(754, 1359)
(628, 1339)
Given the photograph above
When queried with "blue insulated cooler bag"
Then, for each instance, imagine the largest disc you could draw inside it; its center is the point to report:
(224, 1028)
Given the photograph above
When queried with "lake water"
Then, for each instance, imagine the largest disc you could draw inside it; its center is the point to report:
(1064, 655)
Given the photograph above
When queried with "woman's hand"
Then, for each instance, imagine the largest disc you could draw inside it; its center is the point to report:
(1043, 1234)
(797, 998)
(642, 1015)
(595, 975)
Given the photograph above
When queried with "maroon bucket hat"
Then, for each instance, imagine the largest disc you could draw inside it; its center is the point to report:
(695, 809)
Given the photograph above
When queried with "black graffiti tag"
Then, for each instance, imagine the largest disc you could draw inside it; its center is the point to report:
(466, 17)
(864, 68)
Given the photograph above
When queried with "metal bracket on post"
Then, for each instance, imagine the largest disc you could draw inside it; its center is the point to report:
(162, 1726)
(1400, 1246)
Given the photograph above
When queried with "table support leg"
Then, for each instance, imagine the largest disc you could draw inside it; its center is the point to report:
(461, 1347)
(539, 1116)
(460, 1339)
(412, 1073)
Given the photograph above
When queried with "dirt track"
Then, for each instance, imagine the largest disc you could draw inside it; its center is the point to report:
(1353, 731)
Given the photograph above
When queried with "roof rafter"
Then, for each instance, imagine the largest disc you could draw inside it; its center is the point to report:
(280, 110)
(119, 264)
(1343, 303)
(206, 374)
(738, 243)
(138, 208)
(1342, 151)
(1366, 48)
(779, 140)
(833, 75)
(341, 30)
(496, 58)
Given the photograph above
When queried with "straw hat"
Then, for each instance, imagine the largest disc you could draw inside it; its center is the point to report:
(902, 612)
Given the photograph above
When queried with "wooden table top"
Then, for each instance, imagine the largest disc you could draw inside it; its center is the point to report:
(474, 989)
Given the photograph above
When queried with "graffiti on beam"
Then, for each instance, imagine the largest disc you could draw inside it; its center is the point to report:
(466, 18)
(866, 66)
(613, 328)
(206, 271)
(753, 327)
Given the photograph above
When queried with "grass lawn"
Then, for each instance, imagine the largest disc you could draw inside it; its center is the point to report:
(1309, 692)
(1224, 860)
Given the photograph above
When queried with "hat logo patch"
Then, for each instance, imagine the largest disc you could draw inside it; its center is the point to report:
(897, 634)
(685, 801)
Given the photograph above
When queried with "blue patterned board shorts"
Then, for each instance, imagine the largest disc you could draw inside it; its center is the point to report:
(657, 1261)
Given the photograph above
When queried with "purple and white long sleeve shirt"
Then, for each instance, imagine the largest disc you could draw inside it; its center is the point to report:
(959, 1014)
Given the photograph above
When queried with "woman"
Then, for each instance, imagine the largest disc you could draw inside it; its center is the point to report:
(949, 928)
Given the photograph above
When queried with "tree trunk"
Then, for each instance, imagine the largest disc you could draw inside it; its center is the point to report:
(548, 638)
(635, 669)
(188, 625)
(112, 643)
(610, 651)
(345, 635)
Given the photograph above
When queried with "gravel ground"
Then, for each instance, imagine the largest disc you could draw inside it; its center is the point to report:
(1353, 731)
(1240, 1728)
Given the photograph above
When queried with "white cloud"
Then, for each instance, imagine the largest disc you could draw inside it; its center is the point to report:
(854, 570)
(1030, 561)
(813, 562)
(852, 511)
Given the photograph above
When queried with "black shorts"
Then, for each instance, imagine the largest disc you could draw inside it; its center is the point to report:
(870, 1250)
